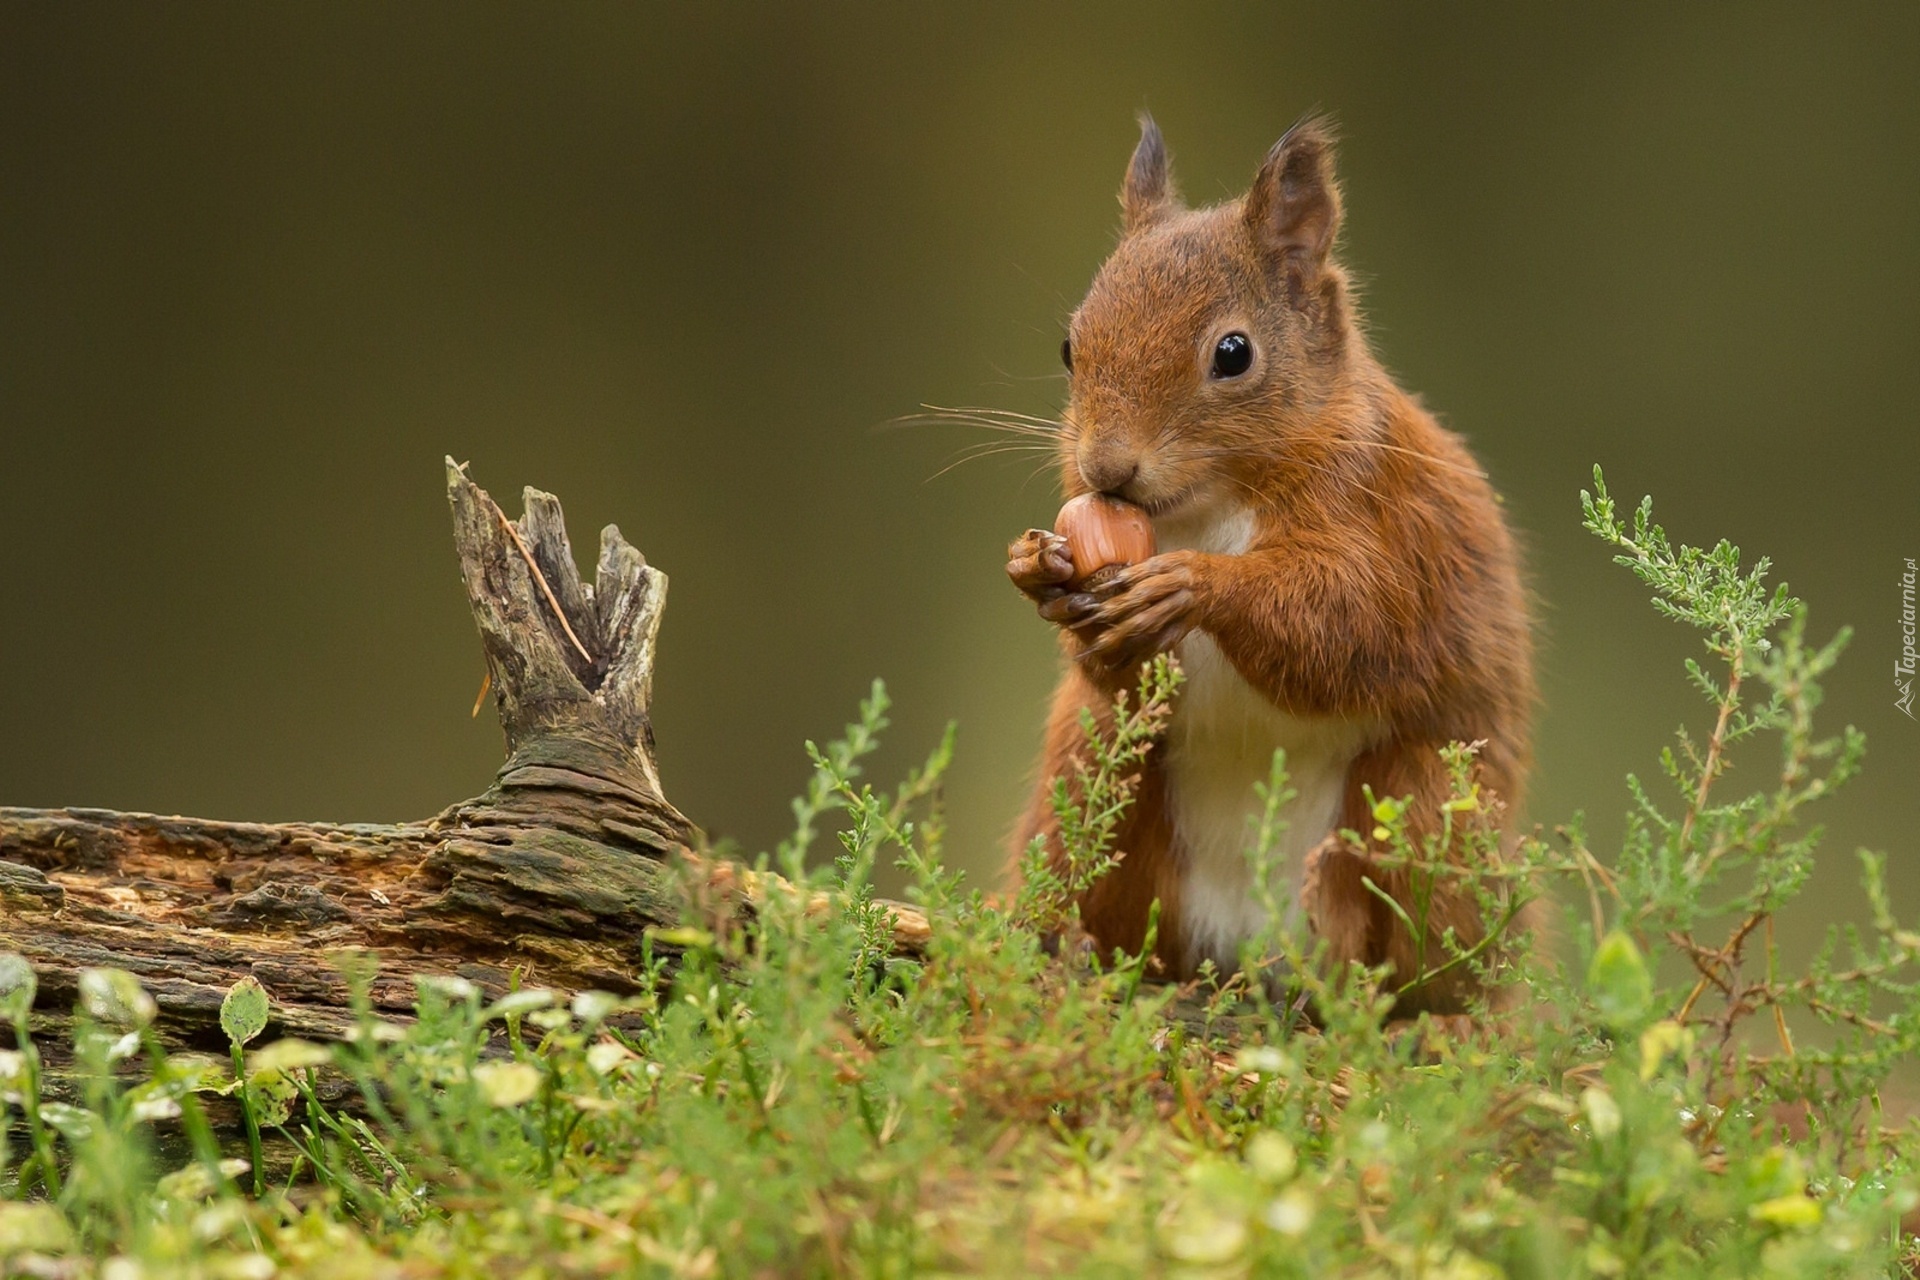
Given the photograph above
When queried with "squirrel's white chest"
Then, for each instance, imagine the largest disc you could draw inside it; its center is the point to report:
(1220, 742)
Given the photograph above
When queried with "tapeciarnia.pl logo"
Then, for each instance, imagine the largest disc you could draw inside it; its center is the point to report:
(1903, 666)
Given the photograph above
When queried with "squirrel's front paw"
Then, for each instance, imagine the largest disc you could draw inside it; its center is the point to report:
(1141, 611)
(1040, 564)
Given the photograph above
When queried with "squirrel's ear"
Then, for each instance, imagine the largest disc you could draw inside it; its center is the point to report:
(1294, 206)
(1147, 194)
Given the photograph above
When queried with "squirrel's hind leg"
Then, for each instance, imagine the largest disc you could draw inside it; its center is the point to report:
(1357, 924)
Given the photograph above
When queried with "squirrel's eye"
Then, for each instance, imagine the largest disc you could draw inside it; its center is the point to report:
(1232, 356)
(1066, 353)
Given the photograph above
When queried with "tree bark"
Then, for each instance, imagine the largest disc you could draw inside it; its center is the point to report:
(554, 874)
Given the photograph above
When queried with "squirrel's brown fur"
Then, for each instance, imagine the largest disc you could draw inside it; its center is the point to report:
(1335, 573)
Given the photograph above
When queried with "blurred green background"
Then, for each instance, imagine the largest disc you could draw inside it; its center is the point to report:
(260, 268)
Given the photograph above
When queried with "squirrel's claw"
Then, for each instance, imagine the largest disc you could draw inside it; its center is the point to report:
(1145, 610)
(1069, 609)
(1122, 648)
(1039, 564)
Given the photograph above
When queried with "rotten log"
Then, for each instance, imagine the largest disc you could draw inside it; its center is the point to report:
(554, 874)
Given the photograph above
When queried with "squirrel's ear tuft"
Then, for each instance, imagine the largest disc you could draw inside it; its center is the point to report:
(1147, 194)
(1294, 206)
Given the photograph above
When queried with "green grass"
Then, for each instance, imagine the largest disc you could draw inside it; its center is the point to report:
(793, 1099)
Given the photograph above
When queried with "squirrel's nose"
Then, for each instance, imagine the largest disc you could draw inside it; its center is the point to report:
(1107, 473)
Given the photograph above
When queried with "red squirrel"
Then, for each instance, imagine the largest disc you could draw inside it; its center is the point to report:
(1333, 573)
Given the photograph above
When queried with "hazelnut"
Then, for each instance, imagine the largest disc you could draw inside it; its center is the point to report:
(1103, 534)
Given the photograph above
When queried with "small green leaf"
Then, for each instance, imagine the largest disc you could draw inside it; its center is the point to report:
(1659, 1042)
(1795, 1210)
(75, 1123)
(196, 1181)
(450, 987)
(684, 937)
(17, 985)
(1602, 1112)
(288, 1055)
(1265, 1059)
(243, 1014)
(272, 1094)
(1271, 1157)
(507, 1084)
(115, 997)
(190, 1072)
(1291, 1212)
(605, 1056)
(1776, 1172)
(518, 1003)
(152, 1109)
(595, 1006)
(1618, 980)
(1206, 1237)
(32, 1228)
